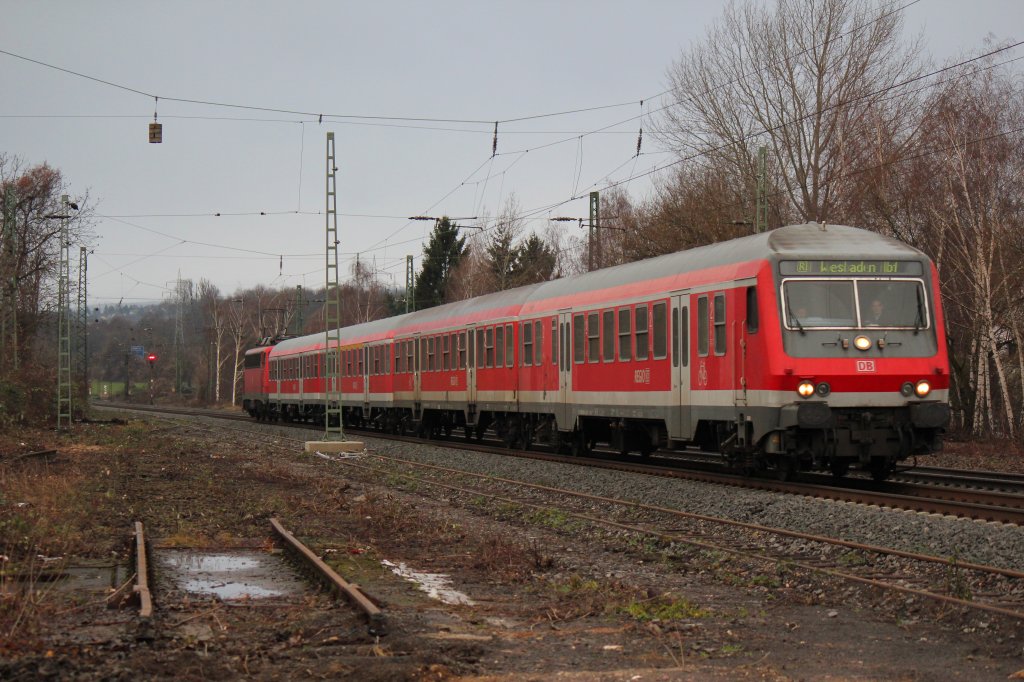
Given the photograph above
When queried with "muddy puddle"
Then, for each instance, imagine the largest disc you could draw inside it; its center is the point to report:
(228, 575)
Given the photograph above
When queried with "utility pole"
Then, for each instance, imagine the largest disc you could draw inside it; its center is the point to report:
(332, 305)
(410, 286)
(299, 306)
(64, 322)
(761, 218)
(592, 239)
(82, 328)
(183, 294)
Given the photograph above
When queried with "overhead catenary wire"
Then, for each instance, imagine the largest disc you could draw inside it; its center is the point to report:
(522, 155)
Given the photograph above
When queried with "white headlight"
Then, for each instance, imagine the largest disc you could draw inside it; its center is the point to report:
(862, 343)
(923, 388)
(805, 389)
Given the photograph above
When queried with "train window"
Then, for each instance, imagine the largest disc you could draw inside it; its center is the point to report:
(446, 352)
(703, 333)
(480, 352)
(387, 359)
(719, 320)
(625, 335)
(362, 362)
(489, 346)
(510, 345)
(753, 317)
(578, 339)
(499, 346)
(431, 354)
(675, 337)
(660, 340)
(470, 347)
(640, 327)
(565, 345)
(422, 355)
(684, 335)
(462, 350)
(608, 333)
(819, 303)
(538, 347)
(527, 334)
(593, 338)
(554, 341)
(892, 303)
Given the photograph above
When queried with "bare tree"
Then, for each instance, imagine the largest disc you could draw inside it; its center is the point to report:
(970, 196)
(803, 79)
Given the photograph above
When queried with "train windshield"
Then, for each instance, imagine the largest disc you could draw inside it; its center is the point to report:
(851, 303)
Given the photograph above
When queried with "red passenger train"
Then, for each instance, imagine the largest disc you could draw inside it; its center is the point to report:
(810, 347)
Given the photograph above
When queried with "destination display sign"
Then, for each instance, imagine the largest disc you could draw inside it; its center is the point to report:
(870, 268)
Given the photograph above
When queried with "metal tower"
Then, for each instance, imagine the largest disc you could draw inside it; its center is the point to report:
(332, 306)
(300, 304)
(410, 286)
(81, 328)
(761, 219)
(9, 285)
(183, 294)
(594, 237)
(64, 323)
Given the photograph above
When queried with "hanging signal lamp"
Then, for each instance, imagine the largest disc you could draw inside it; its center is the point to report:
(156, 130)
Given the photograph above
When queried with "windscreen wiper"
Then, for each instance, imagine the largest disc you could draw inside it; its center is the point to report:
(792, 317)
(919, 319)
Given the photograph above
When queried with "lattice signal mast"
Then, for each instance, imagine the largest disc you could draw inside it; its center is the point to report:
(64, 322)
(332, 306)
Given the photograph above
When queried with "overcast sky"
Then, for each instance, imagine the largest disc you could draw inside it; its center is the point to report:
(472, 62)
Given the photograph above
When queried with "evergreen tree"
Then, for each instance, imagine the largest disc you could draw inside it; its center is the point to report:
(535, 261)
(440, 257)
(502, 255)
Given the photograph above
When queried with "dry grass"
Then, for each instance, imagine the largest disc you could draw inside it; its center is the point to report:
(44, 519)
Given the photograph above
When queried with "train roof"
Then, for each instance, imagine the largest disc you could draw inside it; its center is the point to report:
(808, 240)
(731, 258)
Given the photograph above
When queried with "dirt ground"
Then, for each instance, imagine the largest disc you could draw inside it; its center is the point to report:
(548, 602)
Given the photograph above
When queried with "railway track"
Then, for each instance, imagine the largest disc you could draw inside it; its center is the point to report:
(973, 497)
(233, 578)
(946, 581)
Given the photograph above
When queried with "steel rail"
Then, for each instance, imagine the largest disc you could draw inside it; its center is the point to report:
(678, 538)
(142, 574)
(375, 617)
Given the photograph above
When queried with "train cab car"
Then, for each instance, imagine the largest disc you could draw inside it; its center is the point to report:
(861, 376)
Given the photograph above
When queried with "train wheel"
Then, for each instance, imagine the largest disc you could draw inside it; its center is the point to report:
(879, 469)
(785, 468)
(839, 467)
(580, 444)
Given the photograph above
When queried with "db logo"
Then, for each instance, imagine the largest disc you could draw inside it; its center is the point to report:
(865, 365)
(702, 374)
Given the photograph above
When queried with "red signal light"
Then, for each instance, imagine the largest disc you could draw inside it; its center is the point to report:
(151, 357)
